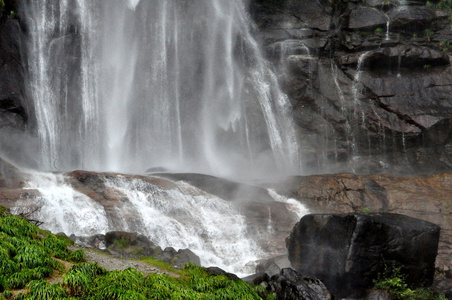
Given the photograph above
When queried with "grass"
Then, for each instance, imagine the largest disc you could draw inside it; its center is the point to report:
(28, 256)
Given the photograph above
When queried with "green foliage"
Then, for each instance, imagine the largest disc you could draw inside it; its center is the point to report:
(89, 281)
(428, 33)
(159, 264)
(445, 46)
(41, 290)
(445, 5)
(121, 244)
(26, 254)
(379, 30)
(7, 294)
(394, 282)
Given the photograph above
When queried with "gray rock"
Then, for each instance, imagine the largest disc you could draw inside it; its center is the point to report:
(347, 252)
(367, 18)
(274, 265)
(290, 285)
(413, 18)
(378, 295)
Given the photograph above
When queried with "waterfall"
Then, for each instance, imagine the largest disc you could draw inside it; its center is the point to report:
(127, 85)
(181, 216)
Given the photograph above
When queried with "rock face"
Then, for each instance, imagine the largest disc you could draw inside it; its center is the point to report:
(370, 82)
(12, 113)
(346, 252)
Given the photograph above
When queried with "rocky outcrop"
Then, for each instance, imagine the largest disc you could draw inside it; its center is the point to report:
(370, 83)
(290, 285)
(136, 246)
(423, 197)
(347, 252)
(273, 266)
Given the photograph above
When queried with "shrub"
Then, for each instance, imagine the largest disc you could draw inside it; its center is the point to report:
(41, 290)
(393, 281)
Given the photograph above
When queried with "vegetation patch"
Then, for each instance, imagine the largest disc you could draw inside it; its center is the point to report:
(393, 281)
(28, 256)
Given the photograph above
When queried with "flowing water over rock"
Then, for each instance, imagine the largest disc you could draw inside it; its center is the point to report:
(127, 85)
(176, 214)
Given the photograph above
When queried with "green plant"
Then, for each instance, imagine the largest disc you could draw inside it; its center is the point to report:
(428, 33)
(379, 30)
(41, 290)
(445, 46)
(394, 282)
(427, 67)
(121, 244)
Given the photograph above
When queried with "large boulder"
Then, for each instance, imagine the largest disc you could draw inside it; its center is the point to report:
(273, 266)
(347, 252)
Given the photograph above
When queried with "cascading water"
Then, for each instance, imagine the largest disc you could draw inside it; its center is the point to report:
(62, 209)
(179, 216)
(126, 85)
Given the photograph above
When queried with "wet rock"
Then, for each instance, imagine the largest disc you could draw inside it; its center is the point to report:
(274, 265)
(257, 279)
(367, 18)
(179, 258)
(413, 18)
(347, 252)
(289, 284)
(133, 245)
(381, 111)
(12, 112)
(378, 295)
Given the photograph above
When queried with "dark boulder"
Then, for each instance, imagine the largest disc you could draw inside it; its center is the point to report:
(179, 258)
(217, 271)
(412, 18)
(289, 285)
(347, 252)
(130, 244)
(257, 279)
(274, 265)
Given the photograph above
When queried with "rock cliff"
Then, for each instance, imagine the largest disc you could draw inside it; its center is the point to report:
(370, 81)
